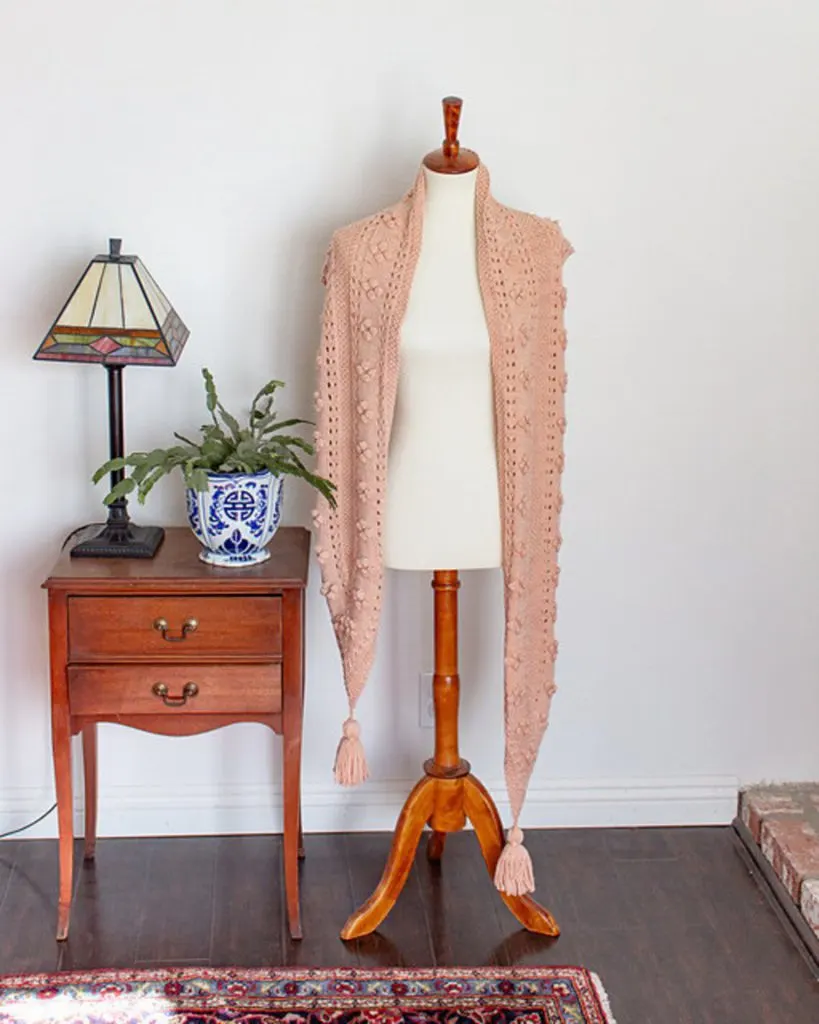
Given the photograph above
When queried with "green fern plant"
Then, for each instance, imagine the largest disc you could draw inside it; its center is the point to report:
(225, 446)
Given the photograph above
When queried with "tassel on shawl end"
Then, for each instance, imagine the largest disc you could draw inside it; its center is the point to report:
(350, 768)
(514, 873)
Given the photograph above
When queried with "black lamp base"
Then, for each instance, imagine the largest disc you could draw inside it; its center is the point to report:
(121, 541)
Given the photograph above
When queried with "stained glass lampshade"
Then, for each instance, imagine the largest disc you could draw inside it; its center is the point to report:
(117, 315)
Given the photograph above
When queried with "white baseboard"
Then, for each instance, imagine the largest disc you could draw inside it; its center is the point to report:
(208, 810)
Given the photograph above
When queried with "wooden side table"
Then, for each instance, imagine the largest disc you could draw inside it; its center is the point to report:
(171, 645)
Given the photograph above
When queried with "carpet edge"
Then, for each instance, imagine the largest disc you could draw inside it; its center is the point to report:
(603, 997)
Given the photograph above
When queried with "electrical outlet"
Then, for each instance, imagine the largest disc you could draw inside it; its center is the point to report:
(426, 705)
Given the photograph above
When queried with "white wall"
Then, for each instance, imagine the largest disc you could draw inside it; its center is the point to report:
(677, 144)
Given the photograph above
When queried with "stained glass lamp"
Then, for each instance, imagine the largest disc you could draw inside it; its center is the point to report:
(117, 315)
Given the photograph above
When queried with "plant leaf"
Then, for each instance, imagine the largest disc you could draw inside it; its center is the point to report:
(147, 484)
(263, 411)
(232, 422)
(181, 437)
(268, 390)
(289, 423)
(108, 467)
(120, 490)
(324, 487)
(286, 441)
(211, 398)
(199, 479)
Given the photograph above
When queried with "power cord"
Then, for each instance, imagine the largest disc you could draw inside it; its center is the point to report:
(45, 814)
(31, 824)
(81, 529)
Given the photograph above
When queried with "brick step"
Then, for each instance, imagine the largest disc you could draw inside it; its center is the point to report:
(784, 822)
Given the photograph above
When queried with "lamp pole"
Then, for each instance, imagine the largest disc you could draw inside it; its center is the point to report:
(118, 518)
(120, 538)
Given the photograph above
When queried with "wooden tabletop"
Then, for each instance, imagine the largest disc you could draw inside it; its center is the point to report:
(177, 567)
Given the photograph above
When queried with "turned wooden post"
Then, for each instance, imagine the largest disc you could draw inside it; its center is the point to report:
(446, 683)
(448, 814)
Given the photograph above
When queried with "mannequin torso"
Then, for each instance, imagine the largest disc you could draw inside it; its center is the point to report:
(442, 503)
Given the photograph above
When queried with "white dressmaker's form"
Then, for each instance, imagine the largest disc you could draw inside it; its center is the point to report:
(442, 507)
(442, 473)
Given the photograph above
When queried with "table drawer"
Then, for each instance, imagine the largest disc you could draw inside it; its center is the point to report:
(129, 689)
(122, 628)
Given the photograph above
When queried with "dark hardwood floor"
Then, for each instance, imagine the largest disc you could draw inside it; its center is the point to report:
(672, 919)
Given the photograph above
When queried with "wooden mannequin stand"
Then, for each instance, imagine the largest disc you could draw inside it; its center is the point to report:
(448, 794)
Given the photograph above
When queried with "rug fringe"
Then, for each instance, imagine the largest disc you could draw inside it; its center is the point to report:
(603, 996)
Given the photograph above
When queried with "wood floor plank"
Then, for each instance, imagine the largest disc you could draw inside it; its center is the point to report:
(760, 1006)
(463, 907)
(326, 903)
(639, 991)
(663, 892)
(638, 844)
(524, 949)
(108, 908)
(248, 908)
(585, 867)
(552, 858)
(692, 952)
(738, 910)
(28, 917)
(177, 922)
(8, 853)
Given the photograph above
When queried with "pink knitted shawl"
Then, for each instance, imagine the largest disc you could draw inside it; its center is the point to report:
(368, 275)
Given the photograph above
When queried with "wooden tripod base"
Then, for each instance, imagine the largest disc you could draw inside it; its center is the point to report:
(445, 804)
(448, 794)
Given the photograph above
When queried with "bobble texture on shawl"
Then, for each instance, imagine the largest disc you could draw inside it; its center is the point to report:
(367, 276)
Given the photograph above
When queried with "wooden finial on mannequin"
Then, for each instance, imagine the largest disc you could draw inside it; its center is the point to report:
(450, 158)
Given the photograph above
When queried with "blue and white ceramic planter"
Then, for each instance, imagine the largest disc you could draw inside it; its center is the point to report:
(236, 517)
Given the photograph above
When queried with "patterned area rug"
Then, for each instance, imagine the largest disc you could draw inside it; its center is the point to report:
(533, 995)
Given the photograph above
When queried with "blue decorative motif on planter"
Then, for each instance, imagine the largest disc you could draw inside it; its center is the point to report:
(240, 505)
(193, 509)
(236, 517)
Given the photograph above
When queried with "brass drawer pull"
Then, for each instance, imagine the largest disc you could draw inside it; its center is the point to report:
(188, 626)
(188, 690)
